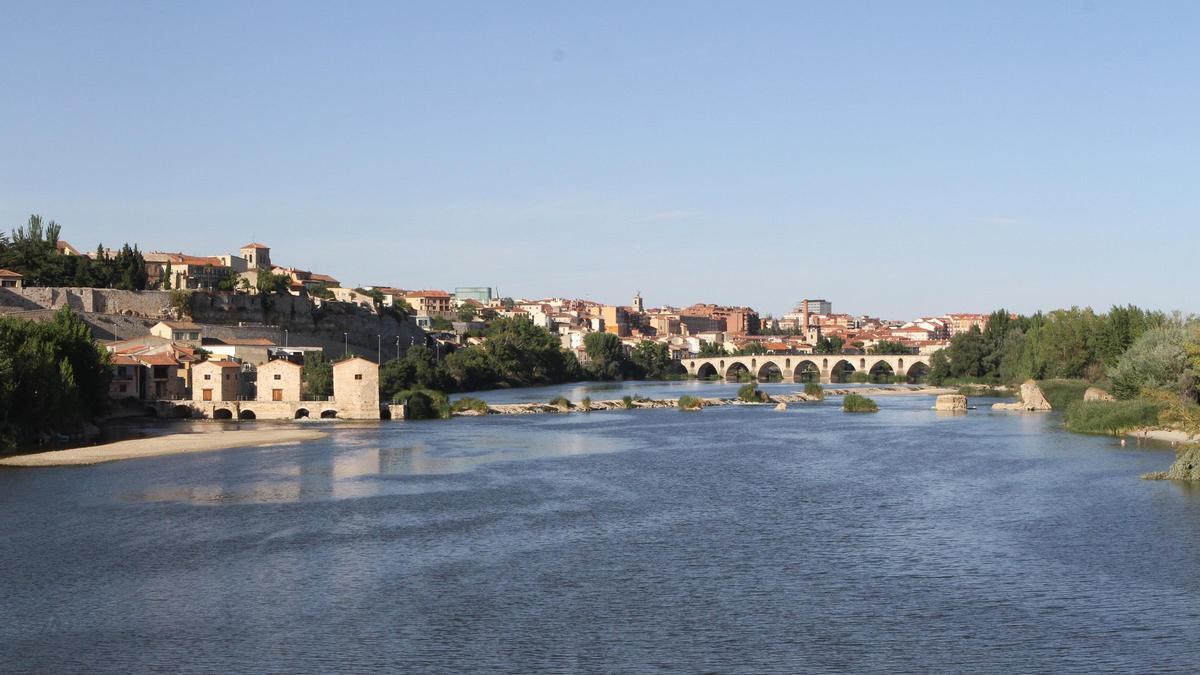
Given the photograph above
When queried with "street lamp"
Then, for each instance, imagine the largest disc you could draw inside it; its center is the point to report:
(346, 345)
(285, 337)
(397, 346)
(378, 348)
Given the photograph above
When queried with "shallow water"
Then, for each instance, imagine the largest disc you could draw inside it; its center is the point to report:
(736, 539)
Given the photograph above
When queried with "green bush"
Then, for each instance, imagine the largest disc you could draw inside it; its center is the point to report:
(627, 402)
(1062, 393)
(561, 403)
(859, 377)
(469, 403)
(423, 404)
(858, 403)
(690, 403)
(750, 393)
(814, 391)
(1110, 417)
(586, 403)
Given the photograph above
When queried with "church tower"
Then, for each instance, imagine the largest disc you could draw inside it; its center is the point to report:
(637, 302)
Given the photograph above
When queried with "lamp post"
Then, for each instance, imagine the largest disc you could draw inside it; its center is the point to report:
(285, 337)
(397, 346)
(345, 345)
(378, 348)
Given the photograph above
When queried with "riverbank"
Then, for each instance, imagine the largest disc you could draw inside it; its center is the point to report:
(171, 444)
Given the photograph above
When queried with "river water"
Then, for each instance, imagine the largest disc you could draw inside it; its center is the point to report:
(735, 539)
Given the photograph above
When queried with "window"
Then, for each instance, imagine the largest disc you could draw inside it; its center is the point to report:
(208, 376)
(278, 376)
(122, 389)
(358, 376)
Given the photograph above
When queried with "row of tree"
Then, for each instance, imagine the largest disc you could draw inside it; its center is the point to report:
(53, 377)
(1131, 348)
(32, 251)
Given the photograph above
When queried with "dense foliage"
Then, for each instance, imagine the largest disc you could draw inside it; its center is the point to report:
(32, 252)
(814, 391)
(1111, 417)
(891, 347)
(750, 393)
(514, 353)
(687, 402)
(318, 377)
(1068, 343)
(53, 377)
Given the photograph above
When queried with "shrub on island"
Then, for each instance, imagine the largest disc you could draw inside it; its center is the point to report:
(561, 403)
(423, 404)
(858, 403)
(469, 404)
(750, 393)
(814, 391)
(690, 403)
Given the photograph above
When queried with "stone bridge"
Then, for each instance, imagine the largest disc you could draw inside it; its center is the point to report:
(261, 410)
(826, 368)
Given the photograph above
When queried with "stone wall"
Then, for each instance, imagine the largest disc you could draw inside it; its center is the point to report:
(147, 304)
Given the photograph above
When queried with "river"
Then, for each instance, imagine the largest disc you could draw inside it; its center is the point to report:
(735, 539)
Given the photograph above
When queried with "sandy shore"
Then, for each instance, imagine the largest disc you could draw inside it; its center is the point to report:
(1168, 435)
(172, 444)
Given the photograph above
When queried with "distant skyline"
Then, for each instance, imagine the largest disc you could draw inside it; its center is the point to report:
(898, 159)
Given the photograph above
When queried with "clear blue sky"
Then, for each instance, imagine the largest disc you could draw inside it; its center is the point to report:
(895, 158)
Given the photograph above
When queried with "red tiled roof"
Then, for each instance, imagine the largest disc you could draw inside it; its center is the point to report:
(255, 245)
(225, 364)
(123, 360)
(427, 294)
(158, 360)
(10, 274)
(181, 325)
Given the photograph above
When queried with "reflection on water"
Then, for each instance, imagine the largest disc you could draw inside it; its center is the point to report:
(736, 539)
(365, 471)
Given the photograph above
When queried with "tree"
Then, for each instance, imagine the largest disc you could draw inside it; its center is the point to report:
(166, 277)
(829, 345)
(318, 376)
(53, 377)
(472, 369)
(1156, 360)
(891, 347)
(710, 349)
(653, 360)
(606, 355)
(466, 313)
(752, 349)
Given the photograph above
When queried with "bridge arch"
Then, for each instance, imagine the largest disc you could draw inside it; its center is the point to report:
(807, 371)
(881, 371)
(841, 371)
(770, 371)
(247, 415)
(736, 371)
(706, 371)
(917, 372)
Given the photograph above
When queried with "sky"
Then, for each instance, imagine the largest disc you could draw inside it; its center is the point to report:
(898, 159)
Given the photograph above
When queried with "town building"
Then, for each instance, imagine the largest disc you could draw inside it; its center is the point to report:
(10, 279)
(278, 380)
(216, 381)
(356, 388)
(179, 331)
(430, 302)
(478, 293)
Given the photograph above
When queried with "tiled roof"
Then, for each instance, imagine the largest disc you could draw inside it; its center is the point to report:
(10, 274)
(181, 325)
(255, 245)
(224, 364)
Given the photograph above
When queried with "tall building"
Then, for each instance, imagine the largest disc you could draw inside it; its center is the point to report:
(637, 302)
(815, 307)
(480, 293)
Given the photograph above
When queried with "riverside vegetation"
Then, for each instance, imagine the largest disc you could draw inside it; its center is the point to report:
(1148, 360)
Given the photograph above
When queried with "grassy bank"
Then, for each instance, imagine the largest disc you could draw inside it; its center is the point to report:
(1062, 393)
(1110, 417)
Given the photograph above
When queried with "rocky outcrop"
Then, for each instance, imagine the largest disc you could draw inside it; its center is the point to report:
(1032, 399)
(1097, 394)
(781, 407)
(951, 403)
(1186, 467)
